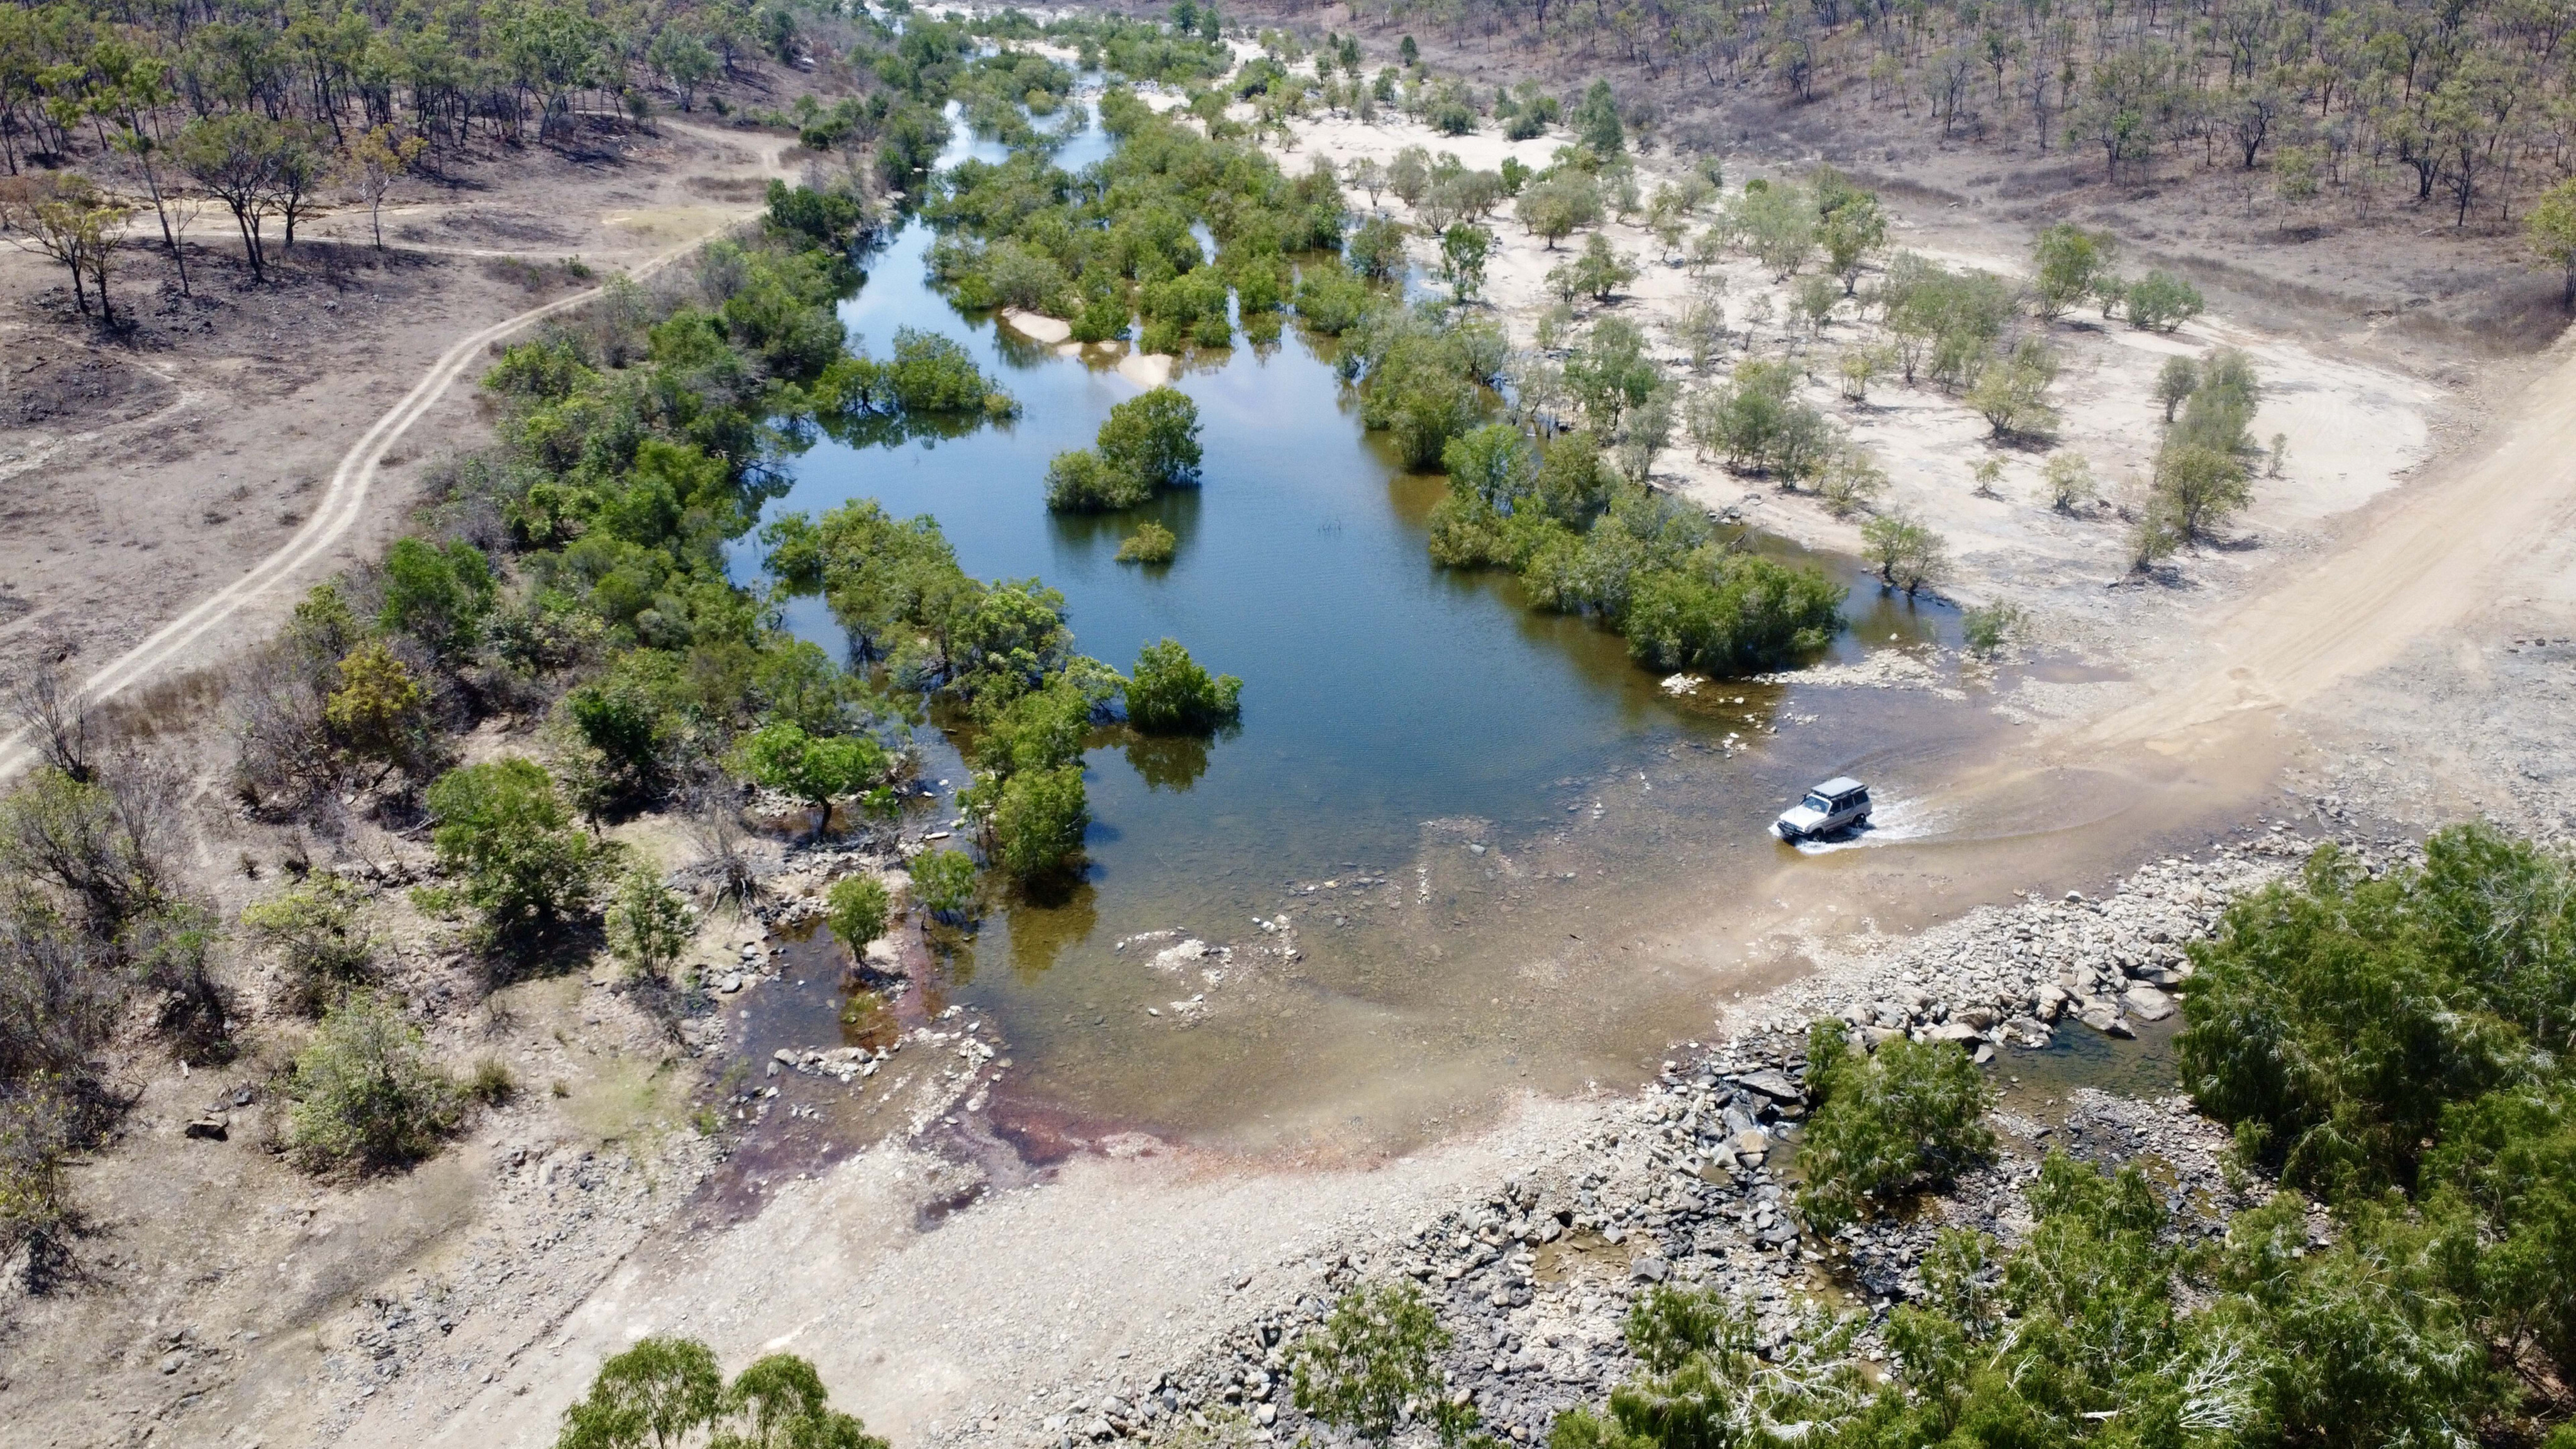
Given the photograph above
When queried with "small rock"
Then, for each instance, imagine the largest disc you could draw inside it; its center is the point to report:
(173, 1361)
(1648, 1268)
(731, 983)
(213, 1127)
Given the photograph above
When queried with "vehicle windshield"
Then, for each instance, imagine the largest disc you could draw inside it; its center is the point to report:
(1819, 804)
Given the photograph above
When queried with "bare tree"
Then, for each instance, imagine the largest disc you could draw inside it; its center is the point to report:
(713, 825)
(58, 719)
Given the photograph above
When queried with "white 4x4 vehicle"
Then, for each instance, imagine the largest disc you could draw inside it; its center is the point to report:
(1829, 807)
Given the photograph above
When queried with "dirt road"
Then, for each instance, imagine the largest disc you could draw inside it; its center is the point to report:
(344, 500)
(2418, 562)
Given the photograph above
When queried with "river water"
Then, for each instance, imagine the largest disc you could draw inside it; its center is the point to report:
(1466, 811)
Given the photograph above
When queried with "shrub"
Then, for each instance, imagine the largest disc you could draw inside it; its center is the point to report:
(103, 843)
(1151, 543)
(2066, 262)
(438, 595)
(2070, 481)
(944, 882)
(42, 1121)
(1909, 555)
(857, 909)
(649, 926)
(1730, 613)
(1909, 1114)
(367, 1096)
(2162, 302)
(2200, 486)
(379, 712)
(1172, 694)
(503, 829)
(1376, 1355)
(1988, 627)
(1376, 249)
(2011, 392)
(1080, 482)
(319, 941)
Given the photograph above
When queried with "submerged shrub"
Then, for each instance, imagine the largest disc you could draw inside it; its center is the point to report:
(1171, 694)
(1151, 543)
(944, 882)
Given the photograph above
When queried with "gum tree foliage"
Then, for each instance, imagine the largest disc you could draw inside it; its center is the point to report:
(1886, 1122)
(668, 1392)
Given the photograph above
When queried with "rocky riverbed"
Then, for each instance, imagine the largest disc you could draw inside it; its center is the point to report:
(1690, 1180)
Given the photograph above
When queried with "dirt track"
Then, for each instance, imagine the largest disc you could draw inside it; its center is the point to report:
(344, 501)
(2424, 559)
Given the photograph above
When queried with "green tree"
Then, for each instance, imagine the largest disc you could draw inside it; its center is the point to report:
(2162, 302)
(1853, 234)
(237, 156)
(1463, 249)
(1080, 481)
(655, 1395)
(2202, 486)
(1153, 437)
(2011, 392)
(1558, 206)
(1595, 121)
(857, 909)
(1151, 543)
(1493, 465)
(1886, 1122)
(1171, 694)
(2066, 263)
(440, 595)
(504, 830)
(1908, 554)
(379, 713)
(2176, 381)
(367, 1095)
(2550, 227)
(1038, 822)
(814, 769)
